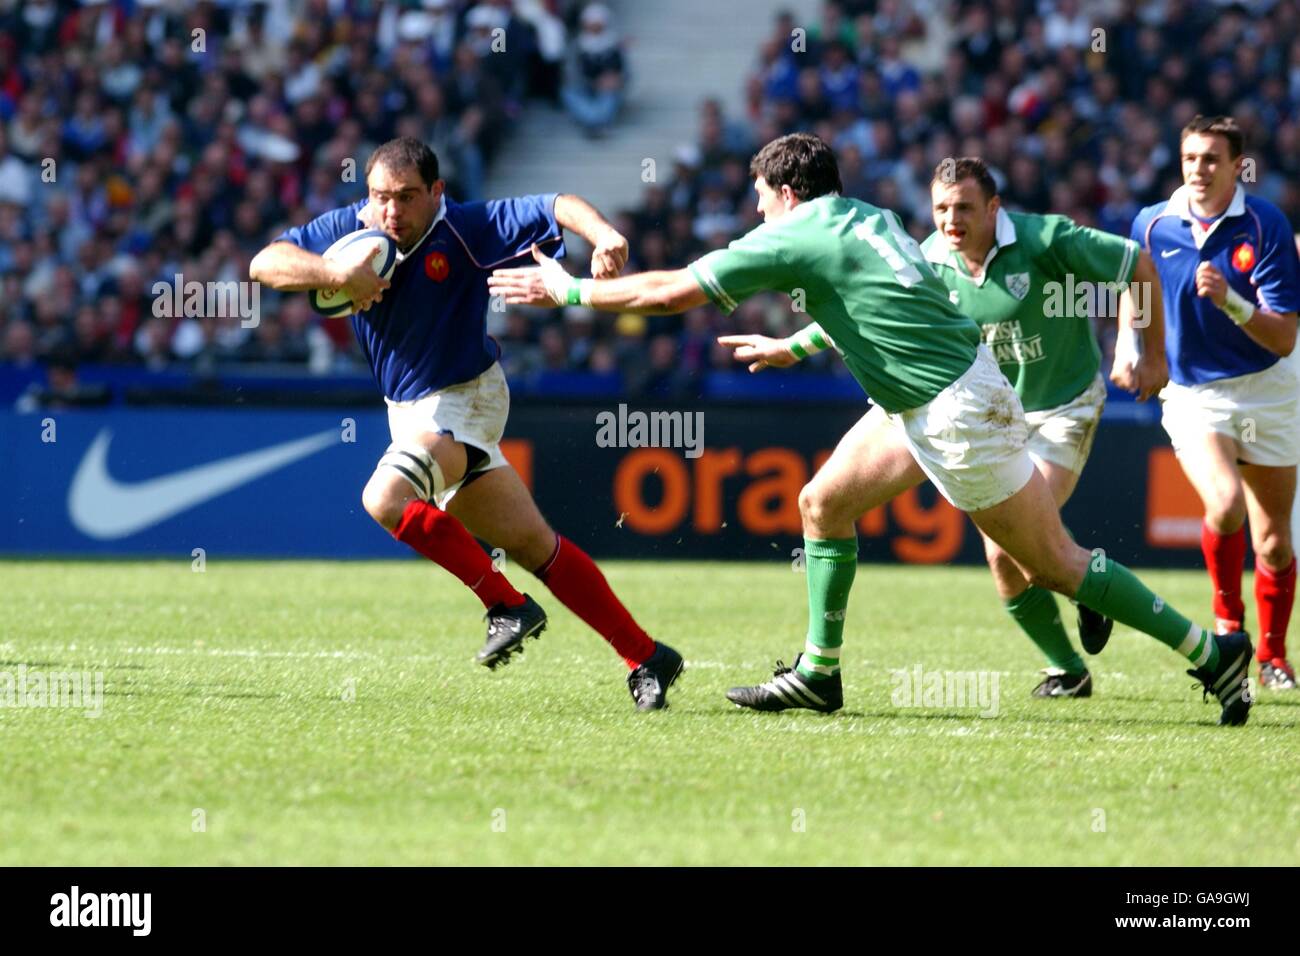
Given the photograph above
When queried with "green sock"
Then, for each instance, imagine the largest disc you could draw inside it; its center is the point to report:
(1115, 591)
(831, 566)
(1034, 609)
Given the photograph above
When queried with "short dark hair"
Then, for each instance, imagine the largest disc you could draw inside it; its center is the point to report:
(951, 171)
(1224, 126)
(403, 152)
(801, 161)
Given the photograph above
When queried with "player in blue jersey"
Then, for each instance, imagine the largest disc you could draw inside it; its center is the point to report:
(444, 480)
(1231, 280)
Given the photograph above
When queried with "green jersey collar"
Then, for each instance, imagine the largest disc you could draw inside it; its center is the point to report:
(938, 252)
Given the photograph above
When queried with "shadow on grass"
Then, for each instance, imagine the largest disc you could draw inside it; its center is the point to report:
(1095, 724)
(193, 692)
(64, 665)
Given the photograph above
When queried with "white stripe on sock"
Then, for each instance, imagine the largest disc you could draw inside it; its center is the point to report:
(1188, 647)
(831, 653)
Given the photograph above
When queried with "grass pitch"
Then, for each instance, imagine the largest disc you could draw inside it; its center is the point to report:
(329, 713)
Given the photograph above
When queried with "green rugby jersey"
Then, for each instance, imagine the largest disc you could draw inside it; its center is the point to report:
(1038, 274)
(866, 281)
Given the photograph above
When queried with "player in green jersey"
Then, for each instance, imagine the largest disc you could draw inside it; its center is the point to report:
(1031, 282)
(952, 414)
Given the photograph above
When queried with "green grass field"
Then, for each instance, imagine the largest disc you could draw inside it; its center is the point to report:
(330, 713)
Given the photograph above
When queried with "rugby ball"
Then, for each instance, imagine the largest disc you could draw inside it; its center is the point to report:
(335, 302)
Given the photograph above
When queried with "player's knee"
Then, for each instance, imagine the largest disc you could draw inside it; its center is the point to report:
(815, 506)
(382, 502)
(1225, 511)
(1273, 549)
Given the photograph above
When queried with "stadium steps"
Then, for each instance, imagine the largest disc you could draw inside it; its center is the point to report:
(671, 71)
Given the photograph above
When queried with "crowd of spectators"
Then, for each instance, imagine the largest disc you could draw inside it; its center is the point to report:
(1076, 106)
(145, 139)
(131, 152)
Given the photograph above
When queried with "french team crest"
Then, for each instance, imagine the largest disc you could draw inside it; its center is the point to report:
(1018, 284)
(436, 266)
(1243, 257)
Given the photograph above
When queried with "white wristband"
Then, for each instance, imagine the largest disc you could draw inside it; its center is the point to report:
(1237, 308)
(808, 341)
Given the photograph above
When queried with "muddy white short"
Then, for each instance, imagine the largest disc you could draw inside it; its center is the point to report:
(472, 412)
(970, 439)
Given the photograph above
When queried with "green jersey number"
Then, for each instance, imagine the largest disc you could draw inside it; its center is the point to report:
(904, 256)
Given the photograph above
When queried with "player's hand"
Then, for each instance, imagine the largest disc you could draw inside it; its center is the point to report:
(610, 255)
(1142, 375)
(1151, 374)
(359, 281)
(1210, 284)
(759, 351)
(1124, 373)
(546, 284)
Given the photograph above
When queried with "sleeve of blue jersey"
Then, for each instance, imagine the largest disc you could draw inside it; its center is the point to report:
(505, 229)
(1138, 231)
(325, 230)
(1277, 276)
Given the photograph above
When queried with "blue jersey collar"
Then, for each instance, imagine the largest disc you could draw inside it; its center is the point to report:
(1179, 206)
(437, 218)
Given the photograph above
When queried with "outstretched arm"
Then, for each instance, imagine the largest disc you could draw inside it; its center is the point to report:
(609, 247)
(647, 293)
(762, 351)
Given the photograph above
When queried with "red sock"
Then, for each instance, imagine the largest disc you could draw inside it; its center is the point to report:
(1225, 557)
(443, 540)
(574, 578)
(1274, 595)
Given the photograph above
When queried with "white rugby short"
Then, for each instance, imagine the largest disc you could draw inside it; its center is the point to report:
(472, 412)
(971, 438)
(1063, 434)
(1258, 411)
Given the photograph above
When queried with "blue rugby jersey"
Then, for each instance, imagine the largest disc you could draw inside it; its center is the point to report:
(1252, 245)
(429, 331)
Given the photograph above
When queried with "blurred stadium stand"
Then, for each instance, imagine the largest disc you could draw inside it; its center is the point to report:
(174, 161)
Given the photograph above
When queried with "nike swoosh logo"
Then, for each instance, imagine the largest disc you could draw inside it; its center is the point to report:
(1166, 253)
(103, 508)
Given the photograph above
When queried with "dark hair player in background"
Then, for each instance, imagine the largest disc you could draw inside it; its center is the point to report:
(1231, 279)
(444, 477)
(999, 268)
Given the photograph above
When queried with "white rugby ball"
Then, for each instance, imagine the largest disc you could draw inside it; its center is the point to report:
(335, 302)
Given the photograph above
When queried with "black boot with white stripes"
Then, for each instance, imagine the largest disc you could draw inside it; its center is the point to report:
(1230, 681)
(789, 689)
